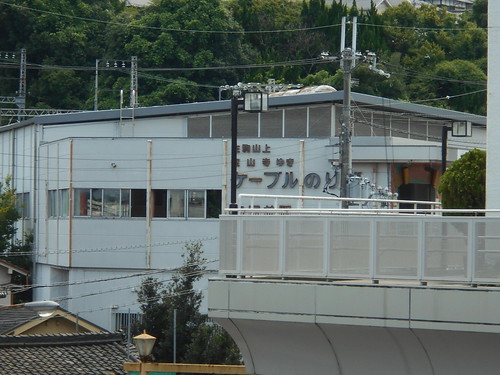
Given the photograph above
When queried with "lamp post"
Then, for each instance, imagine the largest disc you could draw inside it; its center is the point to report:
(458, 129)
(144, 344)
(255, 97)
(253, 101)
(44, 309)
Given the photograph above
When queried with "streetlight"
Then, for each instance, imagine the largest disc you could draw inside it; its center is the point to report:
(44, 309)
(252, 102)
(144, 344)
(458, 129)
(255, 99)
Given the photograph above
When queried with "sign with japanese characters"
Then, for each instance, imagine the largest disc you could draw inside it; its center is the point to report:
(257, 164)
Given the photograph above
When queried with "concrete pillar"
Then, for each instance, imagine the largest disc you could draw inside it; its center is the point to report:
(493, 121)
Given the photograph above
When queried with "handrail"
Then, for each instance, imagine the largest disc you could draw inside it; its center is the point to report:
(334, 199)
(275, 204)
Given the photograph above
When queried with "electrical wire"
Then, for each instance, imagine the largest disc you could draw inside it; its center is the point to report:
(117, 249)
(241, 32)
(166, 29)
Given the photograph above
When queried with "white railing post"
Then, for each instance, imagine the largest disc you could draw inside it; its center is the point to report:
(421, 250)
(373, 248)
(471, 250)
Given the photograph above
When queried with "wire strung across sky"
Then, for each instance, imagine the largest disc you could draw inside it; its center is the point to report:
(241, 32)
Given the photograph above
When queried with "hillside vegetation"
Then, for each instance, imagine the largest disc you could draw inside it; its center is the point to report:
(187, 49)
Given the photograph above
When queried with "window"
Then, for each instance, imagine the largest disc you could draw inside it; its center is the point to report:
(138, 203)
(64, 202)
(176, 203)
(196, 203)
(96, 202)
(23, 204)
(124, 320)
(125, 203)
(81, 202)
(52, 204)
(111, 202)
(159, 203)
(214, 203)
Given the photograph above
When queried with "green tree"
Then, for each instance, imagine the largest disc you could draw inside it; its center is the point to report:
(480, 13)
(159, 303)
(8, 217)
(463, 183)
(13, 249)
(56, 32)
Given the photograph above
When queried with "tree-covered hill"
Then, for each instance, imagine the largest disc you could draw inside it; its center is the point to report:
(186, 49)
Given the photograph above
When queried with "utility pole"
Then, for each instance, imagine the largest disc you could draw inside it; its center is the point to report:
(133, 82)
(20, 99)
(21, 94)
(348, 57)
(113, 64)
(348, 63)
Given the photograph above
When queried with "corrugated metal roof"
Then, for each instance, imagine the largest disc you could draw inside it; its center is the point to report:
(375, 102)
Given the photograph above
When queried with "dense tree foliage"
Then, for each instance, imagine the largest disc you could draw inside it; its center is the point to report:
(197, 340)
(188, 48)
(463, 183)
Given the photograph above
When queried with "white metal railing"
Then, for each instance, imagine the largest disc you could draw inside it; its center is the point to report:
(336, 244)
(291, 204)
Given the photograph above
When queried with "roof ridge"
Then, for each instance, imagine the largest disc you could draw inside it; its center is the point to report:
(61, 339)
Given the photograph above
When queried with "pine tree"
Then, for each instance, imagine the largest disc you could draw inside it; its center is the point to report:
(160, 303)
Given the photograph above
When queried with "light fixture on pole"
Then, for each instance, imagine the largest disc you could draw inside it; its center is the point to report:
(458, 129)
(255, 99)
(44, 309)
(144, 344)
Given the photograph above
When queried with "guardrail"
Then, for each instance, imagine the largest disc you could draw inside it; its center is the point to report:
(368, 244)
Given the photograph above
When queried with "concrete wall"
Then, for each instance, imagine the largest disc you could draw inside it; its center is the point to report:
(285, 327)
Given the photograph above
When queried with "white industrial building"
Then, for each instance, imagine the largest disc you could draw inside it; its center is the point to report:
(112, 196)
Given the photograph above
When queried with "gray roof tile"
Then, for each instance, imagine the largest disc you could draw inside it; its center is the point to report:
(90, 353)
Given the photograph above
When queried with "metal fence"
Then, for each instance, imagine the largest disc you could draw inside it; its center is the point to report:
(362, 244)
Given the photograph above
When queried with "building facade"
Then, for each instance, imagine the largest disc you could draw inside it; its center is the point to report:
(112, 196)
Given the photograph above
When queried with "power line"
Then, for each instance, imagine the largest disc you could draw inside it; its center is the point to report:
(240, 32)
(166, 29)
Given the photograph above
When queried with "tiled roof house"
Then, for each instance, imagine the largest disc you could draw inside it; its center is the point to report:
(89, 353)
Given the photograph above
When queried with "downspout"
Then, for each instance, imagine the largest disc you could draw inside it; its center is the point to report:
(149, 202)
(70, 229)
(224, 174)
(301, 172)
